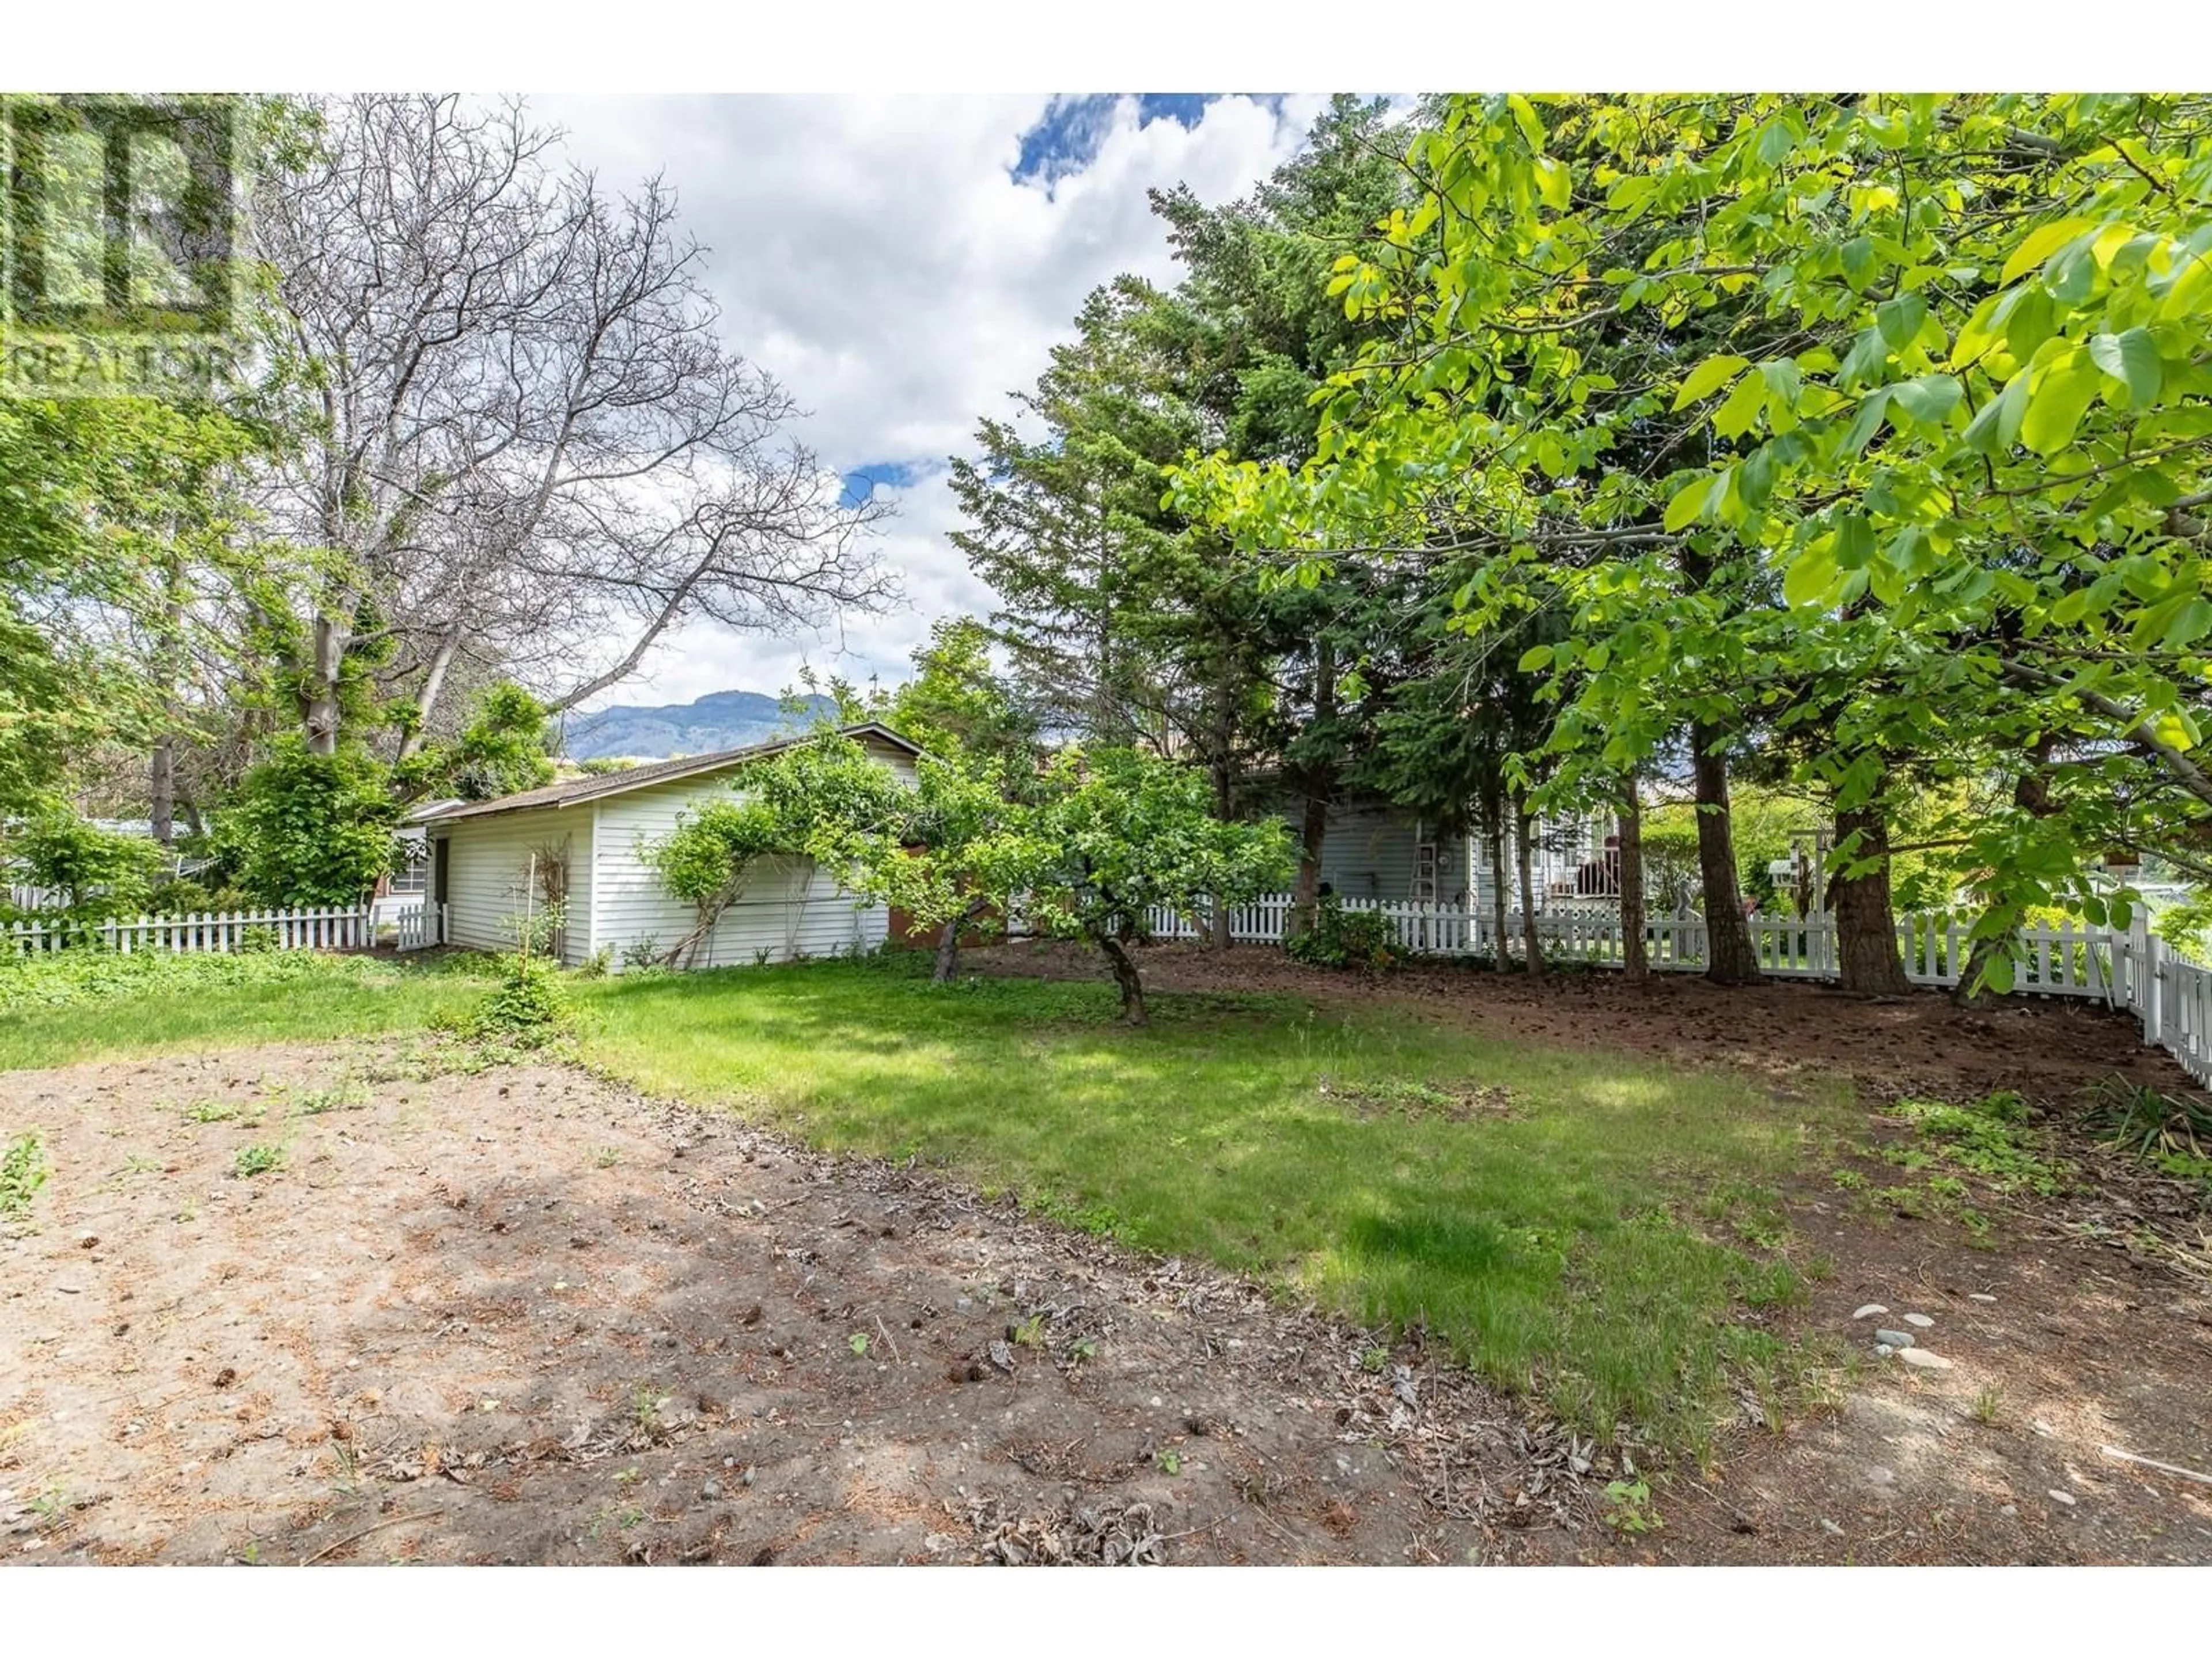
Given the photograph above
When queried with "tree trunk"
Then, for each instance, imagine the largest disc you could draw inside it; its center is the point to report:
(318, 710)
(1533, 948)
(1729, 957)
(1504, 949)
(1313, 837)
(1224, 806)
(948, 944)
(433, 686)
(163, 786)
(1866, 921)
(1320, 784)
(1132, 986)
(948, 953)
(1634, 963)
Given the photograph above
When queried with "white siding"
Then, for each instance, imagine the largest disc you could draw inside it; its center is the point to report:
(488, 870)
(1368, 854)
(790, 909)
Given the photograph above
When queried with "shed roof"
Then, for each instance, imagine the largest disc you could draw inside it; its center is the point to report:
(577, 790)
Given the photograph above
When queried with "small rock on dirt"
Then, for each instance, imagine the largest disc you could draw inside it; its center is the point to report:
(1870, 1311)
(1895, 1339)
(2058, 1497)
(711, 1492)
(1924, 1359)
(1979, 1296)
(1920, 1321)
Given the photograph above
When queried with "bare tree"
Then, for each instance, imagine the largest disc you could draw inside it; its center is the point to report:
(524, 432)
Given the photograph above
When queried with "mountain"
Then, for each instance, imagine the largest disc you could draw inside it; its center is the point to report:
(721, 719)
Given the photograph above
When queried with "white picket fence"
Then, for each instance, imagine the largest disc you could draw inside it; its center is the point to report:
(419, 927)
(2132, 971)
(350, 929)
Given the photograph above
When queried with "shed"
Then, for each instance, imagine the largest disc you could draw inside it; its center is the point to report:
(583, 841)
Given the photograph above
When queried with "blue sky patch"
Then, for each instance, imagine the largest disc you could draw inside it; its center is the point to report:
(1068, 138)
(863, 481)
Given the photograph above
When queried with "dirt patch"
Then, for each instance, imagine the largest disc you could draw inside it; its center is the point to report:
(2051, 1351)
(526, 1315)
(1459, 1104)
(2049, 1049)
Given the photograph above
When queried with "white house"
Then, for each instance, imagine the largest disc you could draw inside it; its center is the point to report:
(584, 840)
(1373, 850)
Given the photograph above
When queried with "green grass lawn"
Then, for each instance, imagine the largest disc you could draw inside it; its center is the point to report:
(84, 1005)
(1608, 1239)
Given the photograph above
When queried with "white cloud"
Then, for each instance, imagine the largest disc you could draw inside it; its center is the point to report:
(878, 256)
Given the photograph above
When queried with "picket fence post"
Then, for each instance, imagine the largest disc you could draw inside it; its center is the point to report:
(2146, 948)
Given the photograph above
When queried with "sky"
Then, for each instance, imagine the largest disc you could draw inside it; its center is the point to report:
(901, 264)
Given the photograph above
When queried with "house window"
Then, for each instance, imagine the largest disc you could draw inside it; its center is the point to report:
(415, 876)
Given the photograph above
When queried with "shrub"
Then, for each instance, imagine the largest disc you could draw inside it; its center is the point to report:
(313, 830)
(99, 872)
(1338, 938)
(22, 1172)
(185, 898)
(527, 1007)
(257, 1160)
(502, 750)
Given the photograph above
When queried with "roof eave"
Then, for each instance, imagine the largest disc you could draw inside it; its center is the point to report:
(619, 783)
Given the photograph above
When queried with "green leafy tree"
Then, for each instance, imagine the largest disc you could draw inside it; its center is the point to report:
(1892, 392)
(955, 702)
(827, 801)
(312, 829)
(919, 850)
(1125, 619)
(938, 876)
(2187, 925)
(119, 543)
(99, 872)
(1068, 529)
(504, 749)
(1115, 832)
